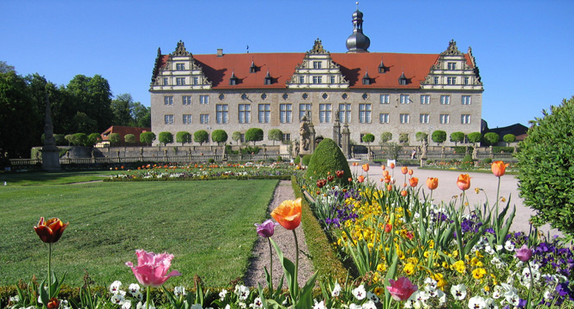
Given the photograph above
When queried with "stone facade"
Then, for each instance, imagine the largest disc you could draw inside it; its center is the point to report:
(371, 92)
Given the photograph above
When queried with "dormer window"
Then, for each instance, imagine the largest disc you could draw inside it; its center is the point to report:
(253, 68)
(403, 80)
(268, 79)
(383, 68)
(451, 66)
(366, 79)
(317, 64)
(233, 80)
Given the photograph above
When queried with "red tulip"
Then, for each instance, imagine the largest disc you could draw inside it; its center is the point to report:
(50, 231)
(340, 173)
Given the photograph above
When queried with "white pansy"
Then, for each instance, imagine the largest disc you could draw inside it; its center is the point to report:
(488, 249)
(498, 247)
(134, 288)
(127, 305)
(141, 305)
(179, 291)
(490, 304)
(115, 287)
(372, 296)
(117, 299)
(359, 292)
(509, 246)
(476, 302)
(355, 306)
(336, 290)
(497, 292)
(257, 303)
(222, 294)
(458, 291)
(242, 292)
(430, 284)
(369, 305)
(14, 299)
(319, 305)
(64, 304)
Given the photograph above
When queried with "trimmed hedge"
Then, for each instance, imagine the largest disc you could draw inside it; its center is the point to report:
(327, 159)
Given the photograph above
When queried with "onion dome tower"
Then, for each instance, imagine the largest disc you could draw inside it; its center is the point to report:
(357, 42)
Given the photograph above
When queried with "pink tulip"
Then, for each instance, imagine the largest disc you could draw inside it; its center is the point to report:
(524, 254)
(152, 268)
(266, 229)
(401, 289)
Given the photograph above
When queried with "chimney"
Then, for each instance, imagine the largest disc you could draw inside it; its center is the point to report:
(220, 52)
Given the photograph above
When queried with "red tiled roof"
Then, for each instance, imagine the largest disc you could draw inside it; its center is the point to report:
(281, 67)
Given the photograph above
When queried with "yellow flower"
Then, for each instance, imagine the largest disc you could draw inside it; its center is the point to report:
(445, 265)
(382, 267)
(409, 269)
(486, 288)
(459, 267)
(440, 282)
(412, 260)
(379, 291)
(478, 273)
(431, 244)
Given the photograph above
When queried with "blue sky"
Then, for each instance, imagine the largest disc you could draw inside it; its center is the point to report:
(524, 49)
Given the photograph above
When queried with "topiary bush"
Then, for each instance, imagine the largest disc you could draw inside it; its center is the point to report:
(306, 159)
(327, 159)
(546, 168)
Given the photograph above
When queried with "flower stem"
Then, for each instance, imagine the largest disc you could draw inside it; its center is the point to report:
(296, 256)
(496, 227)
(270, 266)
(148, 288)
(49, 270)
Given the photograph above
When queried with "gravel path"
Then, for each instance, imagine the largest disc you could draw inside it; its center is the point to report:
(284, 238)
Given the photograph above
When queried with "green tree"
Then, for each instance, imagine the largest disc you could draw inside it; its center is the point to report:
(114, 138)
(80, 139)
(254, 135)
(5, 68)
(183, 137)
(236, 136)
(328, 159)
(386, 136)
(147, 138)
(121, 109)
(545, 168)
(474, 137)
(165, 138)
(404, 138)
(368, 138)
(491, 138)
(509, 138)
(457, 137)
(421, 137)
(94, 138)
(275, 135)
(93, 98)
(219, 136)
(141, 115)
(130, 139)
(439, 136)
(201, 136)
(69, 138)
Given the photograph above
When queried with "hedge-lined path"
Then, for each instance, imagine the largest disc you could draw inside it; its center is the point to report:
(284, 238)
(447, 190)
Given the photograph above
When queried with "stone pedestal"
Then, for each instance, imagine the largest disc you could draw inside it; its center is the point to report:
(50, 153)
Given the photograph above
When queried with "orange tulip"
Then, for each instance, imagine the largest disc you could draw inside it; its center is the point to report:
(385, 173)
(389, 187)
(411, 172)
(498, 168)
(361, 178)
(387, 179)
(288, 214)
(432, 183)
(366, 167)
(404, 170)
(413, 181)
(50, 231)
(463, 182)
(404, 193)
(392, 165)
(383, 167)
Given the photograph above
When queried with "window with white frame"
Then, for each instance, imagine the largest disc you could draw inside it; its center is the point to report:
(451, 80)
(466, 80)
(345, 112)
(364, 113)
(285, 113)
(203, 99)
(405, 99)
(466, 100)
(324, 113)
(333, 79)
(425, 99)
(445, 99)
(451, 66)
(180, 81)
(221, 113)
(204, 118)
(264, 114)
(424, 118)
(244, 113)
(180, 66)
(304, 109)
(317, 79)
(301, 79)
(195, 80)
(385, 99)
(404, 118)
(465, 119)
(168, 100)
(436, 80)
(168, 119)
(444, 118)
(165, 81)
(286, 136)
(186, 119)
(384, 117)
(316, 64)
(186, 100)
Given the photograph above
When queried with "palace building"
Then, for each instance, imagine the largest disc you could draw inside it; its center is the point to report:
(359, 91)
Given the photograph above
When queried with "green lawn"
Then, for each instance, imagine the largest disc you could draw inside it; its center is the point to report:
(207, 225)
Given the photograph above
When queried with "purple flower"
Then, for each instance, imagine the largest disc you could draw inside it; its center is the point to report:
(266, 229)
(524, 254)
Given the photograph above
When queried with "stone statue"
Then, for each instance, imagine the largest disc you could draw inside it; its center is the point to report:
(424, 149)
(295, 149)
(304, 134)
